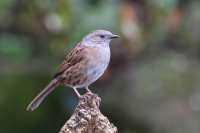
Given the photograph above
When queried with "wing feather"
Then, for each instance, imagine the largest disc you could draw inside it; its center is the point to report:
(74, 57)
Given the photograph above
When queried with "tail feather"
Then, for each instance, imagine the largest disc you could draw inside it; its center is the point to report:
(36, 102)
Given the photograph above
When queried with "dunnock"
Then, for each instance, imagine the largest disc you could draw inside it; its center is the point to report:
(84, 65)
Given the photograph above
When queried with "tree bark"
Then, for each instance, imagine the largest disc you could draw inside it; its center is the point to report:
(87, 118)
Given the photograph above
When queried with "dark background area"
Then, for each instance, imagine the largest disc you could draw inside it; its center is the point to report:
(152, 84)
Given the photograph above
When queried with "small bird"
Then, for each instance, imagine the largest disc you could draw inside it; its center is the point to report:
(84, 65)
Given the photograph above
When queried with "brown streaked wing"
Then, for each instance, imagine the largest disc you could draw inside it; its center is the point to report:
(74, 57)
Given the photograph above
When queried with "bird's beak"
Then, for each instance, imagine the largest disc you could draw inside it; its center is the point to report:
(114, 36)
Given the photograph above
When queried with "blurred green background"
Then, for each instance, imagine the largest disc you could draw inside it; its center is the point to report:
(152, 84)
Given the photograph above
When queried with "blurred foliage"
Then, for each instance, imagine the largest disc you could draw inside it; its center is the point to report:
(152, 84)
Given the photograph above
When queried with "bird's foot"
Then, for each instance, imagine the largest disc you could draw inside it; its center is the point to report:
(88, 96)
(84, 97)
(99, 99)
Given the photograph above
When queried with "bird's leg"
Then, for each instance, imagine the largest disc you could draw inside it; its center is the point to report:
(77, 93)
(88, 90)
(81, 96)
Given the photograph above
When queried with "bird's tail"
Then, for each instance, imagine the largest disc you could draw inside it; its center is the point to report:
(36, 102)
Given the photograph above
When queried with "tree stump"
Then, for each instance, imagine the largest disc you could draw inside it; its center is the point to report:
(87, 118)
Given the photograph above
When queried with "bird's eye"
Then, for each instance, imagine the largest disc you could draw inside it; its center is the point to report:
(102, 36)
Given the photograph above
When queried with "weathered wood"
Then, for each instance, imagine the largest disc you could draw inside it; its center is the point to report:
(87, 118)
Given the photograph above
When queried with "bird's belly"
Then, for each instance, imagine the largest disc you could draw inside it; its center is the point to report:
(96, 71)
(97, 66)
(92, 73)
(92, 69)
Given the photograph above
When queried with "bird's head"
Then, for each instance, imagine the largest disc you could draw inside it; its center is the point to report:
(98, 37)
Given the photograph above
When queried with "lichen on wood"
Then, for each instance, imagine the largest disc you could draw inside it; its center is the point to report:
(87, 118)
